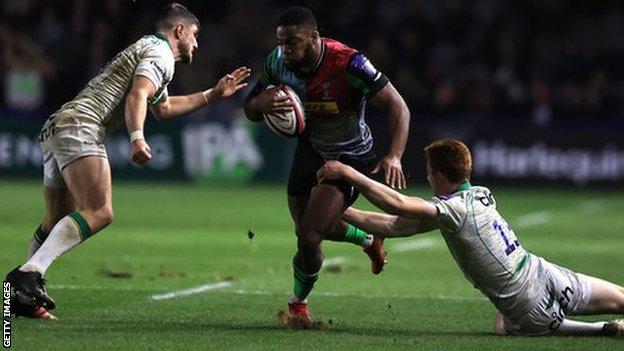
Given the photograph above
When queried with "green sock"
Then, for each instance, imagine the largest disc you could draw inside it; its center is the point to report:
(40, 235)
(303, 283)
(83, 226)
(357, 236)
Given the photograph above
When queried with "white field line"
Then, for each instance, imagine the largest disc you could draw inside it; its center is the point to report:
(416, 244)
(532, 219)
(334, 261)
(100, 287)
(592, 206)
(364, 296)
(222, 285)
(192, 291)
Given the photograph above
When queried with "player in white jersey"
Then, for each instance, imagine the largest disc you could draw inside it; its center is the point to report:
(77, 179)
(532, 295)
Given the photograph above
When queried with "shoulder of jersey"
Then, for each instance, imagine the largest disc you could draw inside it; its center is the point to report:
(339, 51)
(159, 44)
(480, 188)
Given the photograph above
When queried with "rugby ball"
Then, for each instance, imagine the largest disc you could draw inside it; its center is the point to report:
(288, 124)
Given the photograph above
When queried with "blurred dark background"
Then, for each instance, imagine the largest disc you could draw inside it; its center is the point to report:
(543, 66)
(536, 60)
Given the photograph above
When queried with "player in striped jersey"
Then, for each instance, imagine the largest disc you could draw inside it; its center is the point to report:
(532, 295)
(335, 82)
(77, 179)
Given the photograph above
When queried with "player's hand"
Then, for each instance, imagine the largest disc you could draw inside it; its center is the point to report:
(140, 152)
(231, 83)
(331, 170)
(268, 101)
(393, 172)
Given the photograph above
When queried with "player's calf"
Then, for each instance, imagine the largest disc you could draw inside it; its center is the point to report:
(606, 297)
(99, 218)
(309, 256)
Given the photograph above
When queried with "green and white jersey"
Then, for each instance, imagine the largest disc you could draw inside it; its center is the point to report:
(101, 102)
(486, 248)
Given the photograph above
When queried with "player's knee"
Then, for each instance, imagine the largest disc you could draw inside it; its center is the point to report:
(309, 240)
(104, 216)
(615, 300)
(307, 230)
(620, 300)
(315, 228)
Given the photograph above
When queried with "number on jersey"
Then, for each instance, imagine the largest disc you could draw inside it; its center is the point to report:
(510, 246)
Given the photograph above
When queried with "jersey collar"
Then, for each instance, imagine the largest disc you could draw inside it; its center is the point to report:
(164, 38)
(463, 186)
(318, 63)
(300, 74)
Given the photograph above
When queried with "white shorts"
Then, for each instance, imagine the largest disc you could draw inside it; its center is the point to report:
(562, 292)
(62, 145)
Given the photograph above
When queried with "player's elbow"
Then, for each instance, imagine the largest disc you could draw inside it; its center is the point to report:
(410, 209)
(251, 112)
(136, 95)
(400, 106)
(394, 231)
(398, 206)
(160, 112)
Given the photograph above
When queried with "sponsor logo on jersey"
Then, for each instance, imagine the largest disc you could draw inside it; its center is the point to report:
(325, 87)
(329, 107)
(158, 68)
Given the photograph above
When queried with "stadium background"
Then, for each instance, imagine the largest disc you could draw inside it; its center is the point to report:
(534, 86)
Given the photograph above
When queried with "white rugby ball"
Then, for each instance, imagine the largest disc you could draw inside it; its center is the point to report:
(289, 124)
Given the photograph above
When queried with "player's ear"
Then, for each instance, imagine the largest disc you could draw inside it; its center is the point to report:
(178, 30)
(439, 177)
(314, 35)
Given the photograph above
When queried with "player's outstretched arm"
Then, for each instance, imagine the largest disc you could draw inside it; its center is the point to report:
(385, 225)
(227, 86)
(389, 100)
(385, 198)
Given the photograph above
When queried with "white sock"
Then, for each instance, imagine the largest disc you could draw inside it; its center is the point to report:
(33, 246)
(368, 241)
(571, 327)
(295, 299)
(64, 236)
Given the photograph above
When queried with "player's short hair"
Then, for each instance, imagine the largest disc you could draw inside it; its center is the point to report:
(174, 14)
(451, 158)
(297, 16)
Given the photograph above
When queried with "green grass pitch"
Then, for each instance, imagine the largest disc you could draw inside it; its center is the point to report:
(168, 238)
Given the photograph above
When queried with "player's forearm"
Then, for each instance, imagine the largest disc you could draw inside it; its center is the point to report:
(372, 222)
(380, 195)
(182, 105)
(252, 112)
(399, 116)
(385, 225)
(135, 111)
